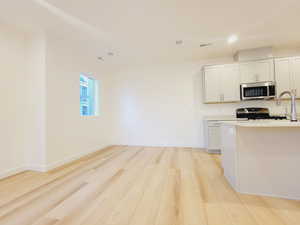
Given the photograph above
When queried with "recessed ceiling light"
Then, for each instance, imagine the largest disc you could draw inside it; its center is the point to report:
(110, 53)
(101, 58)
(179, 42)
(232, 39)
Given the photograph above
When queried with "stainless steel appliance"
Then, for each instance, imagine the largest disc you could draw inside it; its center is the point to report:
(258, 90)
(255, 113)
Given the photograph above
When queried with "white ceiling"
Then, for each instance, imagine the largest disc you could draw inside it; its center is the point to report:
(139, 30)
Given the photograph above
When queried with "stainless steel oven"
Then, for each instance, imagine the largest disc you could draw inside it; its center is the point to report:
(258, 90)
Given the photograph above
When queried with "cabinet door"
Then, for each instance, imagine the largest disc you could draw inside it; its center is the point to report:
(296, 74)
(257, 71)
(212, 87)
(214, 138)
(283, 75)
(230, 83)
(247, 73)
(264, 71)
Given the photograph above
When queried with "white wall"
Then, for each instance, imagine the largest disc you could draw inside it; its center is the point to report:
(70, 135)
(161, 105)
(12, 66)
(155, 106)
(34, 107)
(40, 124)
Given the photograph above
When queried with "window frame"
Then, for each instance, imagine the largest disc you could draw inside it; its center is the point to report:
(95, 97)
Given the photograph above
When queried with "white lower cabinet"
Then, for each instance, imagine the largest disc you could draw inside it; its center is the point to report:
(214, 138)
(212, 134)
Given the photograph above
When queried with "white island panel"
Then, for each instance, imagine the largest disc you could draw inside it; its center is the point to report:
(266, 159)
(229, 160)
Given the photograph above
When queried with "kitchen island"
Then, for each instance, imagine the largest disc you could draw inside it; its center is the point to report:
(262, 157)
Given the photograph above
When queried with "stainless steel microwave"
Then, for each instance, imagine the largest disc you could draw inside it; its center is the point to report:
(258, 90)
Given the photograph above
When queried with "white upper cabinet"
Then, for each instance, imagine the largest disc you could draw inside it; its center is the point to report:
(221, 83)
(295, 62)
(257, 71)
(211, 81)
(287, 74)
(230, 83)
(283, 74)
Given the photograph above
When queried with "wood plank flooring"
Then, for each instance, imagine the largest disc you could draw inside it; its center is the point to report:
(138, 186)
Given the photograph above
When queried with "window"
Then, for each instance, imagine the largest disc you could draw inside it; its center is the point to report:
(88, 96)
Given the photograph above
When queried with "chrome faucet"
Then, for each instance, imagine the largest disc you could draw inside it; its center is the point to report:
(292, 94)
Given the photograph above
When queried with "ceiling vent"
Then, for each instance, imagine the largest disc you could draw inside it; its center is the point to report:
(205, 45)
(254, 54)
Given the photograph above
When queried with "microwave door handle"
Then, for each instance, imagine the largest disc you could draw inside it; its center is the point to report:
(242, 92)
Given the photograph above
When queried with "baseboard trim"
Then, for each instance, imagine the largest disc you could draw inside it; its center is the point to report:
(12, 172)
(37, 168)
(297, 198)
(46, 168)
(71, 159)
(162, 146)
(236, 188)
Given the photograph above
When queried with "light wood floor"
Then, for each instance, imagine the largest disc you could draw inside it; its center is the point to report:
(138, 186)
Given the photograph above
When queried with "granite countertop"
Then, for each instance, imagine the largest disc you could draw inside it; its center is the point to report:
(222, 118)
(263, 123)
